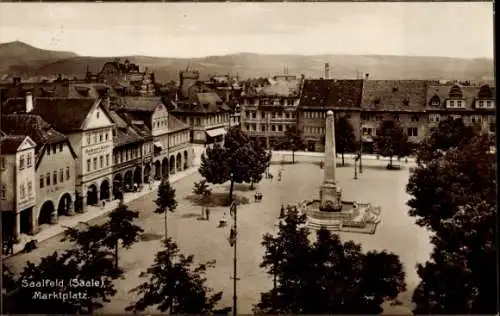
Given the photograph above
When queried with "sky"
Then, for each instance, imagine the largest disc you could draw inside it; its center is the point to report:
(461, 29)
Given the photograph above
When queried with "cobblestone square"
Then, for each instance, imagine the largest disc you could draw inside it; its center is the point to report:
(396, 232)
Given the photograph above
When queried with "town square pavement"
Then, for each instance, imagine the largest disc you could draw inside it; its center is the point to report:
(396, 233)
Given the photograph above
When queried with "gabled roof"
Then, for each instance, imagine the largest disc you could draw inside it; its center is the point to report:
(174, 124)
(147, 104)
(10, 143)
(125, 132)
(331, 93)
(33, 126)
(65, 115)
(402, 95)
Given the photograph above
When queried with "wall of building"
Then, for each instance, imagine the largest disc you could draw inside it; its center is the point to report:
(8, 182)
(59, 160)
(25, 181)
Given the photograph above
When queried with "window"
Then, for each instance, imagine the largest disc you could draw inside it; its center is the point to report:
(88, 139)
(280, 128)
(2, 163)
(97, 114)
(21, 162)
(396, 117)
(107, 159)
(30, 188)
(67, 173)
(22, 193)
(28, 160)
(106, 136)
(489, 104)
(273, 128)
(61, 175)
(493, 127)
(452, 103)
(263, 115)
(54, 149)
(88, 165)
(3, 188)
(41, 181)
(95, 163)
(101, 161)
(481, 104)
(54, 177)
(412, 131)
(61, 147)
(47, 179)
(100, 137)
(414, 118)
(95, 138)
(434, 117)
(459, 104)
(475, 119)
(254, 115)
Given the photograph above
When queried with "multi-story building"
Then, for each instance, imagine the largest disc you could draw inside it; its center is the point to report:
(201, 108)
(17, 185)
(400, 100)
(172, 151)
(321, 95)
(475, 105)
(132, 153)
(54, 162)
(268, 111)
(89, 131)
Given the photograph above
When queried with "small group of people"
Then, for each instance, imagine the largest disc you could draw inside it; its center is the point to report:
(258, 196)
(8, 246)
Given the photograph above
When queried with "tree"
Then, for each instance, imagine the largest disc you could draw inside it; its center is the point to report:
(293, 140)
(236, 162)
(165, 202)
(344, 136)
(442, 185)
(460, 211)
(326, 277)
(260, 162)
(175, 286)
(391, 140)
(120, 227)
(449, 134)
(287, 259)
(202, 189)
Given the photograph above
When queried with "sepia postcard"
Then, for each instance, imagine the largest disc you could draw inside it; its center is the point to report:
(248, 158)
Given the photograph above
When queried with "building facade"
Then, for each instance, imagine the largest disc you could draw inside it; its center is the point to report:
(319, 96)
(200, 107)
(169, 147)
(267, 112)
(55, 163)
(17, 185)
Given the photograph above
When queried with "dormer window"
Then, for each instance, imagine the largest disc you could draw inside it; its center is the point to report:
(97, 114)
(481, 104)
(455, 92)
(435, 101)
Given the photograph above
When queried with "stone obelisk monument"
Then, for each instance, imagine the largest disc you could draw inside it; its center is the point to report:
(330, 194)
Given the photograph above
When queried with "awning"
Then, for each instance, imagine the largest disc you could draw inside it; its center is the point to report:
(158, 144)
(216, 132)
(367, 139)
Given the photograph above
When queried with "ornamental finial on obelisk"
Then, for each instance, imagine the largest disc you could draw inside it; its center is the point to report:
(330, 195)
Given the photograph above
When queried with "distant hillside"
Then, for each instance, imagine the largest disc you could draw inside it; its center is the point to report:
(31, 61)
(25, 57)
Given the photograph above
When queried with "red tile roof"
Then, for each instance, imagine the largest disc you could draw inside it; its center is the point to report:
(320, 93)
(146, 104)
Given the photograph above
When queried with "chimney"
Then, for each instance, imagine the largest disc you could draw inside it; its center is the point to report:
(29, 102)
(327, 71)
(367, 75)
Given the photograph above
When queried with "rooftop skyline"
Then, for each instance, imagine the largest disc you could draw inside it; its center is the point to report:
(195, 30)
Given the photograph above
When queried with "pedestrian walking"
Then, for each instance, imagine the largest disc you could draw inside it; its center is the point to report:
(103, 204)
(10, 246)
(207, 213)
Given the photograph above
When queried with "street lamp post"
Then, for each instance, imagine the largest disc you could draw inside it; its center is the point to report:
(355, 169)
(233, 240)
